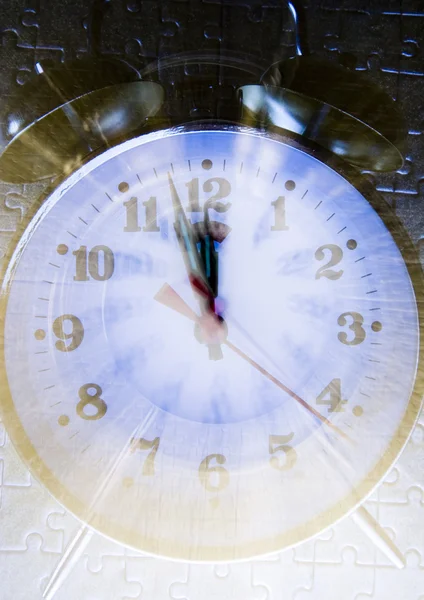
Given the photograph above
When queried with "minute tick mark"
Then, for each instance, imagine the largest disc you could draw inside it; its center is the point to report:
(53, 265)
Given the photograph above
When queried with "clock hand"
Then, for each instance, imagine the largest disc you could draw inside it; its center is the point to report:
(193, 263)
(209, 255)
(192, 260)
(170, 298)
(285, 389)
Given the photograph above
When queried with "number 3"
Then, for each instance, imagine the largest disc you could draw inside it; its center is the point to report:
(355, 326)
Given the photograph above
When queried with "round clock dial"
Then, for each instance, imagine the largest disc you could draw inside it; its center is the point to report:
(194, 442)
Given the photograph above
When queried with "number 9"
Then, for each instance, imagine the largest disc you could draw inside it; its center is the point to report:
(77, 333)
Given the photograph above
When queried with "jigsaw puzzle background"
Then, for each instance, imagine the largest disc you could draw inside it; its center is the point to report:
(386, 38)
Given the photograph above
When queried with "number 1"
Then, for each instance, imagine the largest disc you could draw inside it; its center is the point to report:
(280, 214)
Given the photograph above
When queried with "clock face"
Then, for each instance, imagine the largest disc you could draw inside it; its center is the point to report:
(113, 392)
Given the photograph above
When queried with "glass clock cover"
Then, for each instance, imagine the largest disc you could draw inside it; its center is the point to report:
(179, 444)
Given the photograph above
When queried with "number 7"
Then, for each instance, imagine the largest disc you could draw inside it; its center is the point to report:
(142, 444)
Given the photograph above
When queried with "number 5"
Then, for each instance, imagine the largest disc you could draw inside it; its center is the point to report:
(291, 455)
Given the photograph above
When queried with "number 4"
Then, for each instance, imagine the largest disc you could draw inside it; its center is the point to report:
(333, 392)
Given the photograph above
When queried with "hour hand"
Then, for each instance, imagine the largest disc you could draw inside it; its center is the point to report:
(194, 265)
(192, 260)
(209, 255)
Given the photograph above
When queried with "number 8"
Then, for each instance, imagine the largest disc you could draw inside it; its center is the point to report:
(91, 400)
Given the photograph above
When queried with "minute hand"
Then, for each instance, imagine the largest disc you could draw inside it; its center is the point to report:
(194, 266)
(209, 255)
(193, 262)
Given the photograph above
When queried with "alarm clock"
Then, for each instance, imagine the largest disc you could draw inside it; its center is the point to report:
(211, 329)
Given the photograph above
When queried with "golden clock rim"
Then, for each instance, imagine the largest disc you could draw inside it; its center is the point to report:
(307, 530)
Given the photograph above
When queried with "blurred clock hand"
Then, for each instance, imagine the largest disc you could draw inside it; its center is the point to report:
(285, 389)
(194, 266)
(186, 238)
(170, 298)
(209, 255)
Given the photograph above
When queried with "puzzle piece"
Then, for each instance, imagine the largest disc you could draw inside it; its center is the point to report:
(306, 552)
(14, 471)
(343, 534)
(15, 57)
(345, 577)
(376, 27)
(406, 520)
(154, 575)
(59, 33)
(282, 575)
(109, 583)
(25, 569)
(408, 470)
(233, 583)
(404, 583)
(25, 507)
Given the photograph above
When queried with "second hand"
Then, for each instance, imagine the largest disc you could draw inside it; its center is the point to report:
(170, 298)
